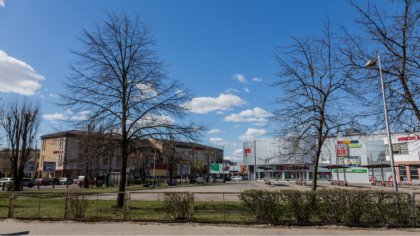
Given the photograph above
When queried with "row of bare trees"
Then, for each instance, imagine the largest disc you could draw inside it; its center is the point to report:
(326, 87)
(20, 120)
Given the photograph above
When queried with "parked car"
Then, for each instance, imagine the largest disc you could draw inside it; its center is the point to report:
(64, 180)
(79, 180)
(199, 180)
(28, 182)
(5, 181)
(236, 178)
(42, 181)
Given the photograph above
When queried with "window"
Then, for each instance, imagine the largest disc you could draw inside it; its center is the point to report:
(43, 144)
(414, 173)
(398, 148)
(61, 143)
(105, 160)
(403, 173)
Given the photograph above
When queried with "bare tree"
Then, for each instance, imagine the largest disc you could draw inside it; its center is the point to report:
(169, 154)
(121, 84)
(394, 34)
(20, 121)
(314, 85)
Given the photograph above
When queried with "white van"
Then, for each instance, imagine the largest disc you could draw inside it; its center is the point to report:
(236, 178)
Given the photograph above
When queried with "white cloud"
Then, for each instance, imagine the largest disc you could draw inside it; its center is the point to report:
(2, 3)
(232, 90)
(236, 156)
(218, 141)
(204, 105)
(83, 115)
(240, 78)
(16, 76)
(247, 90)
(252, 134)
(67, 115)
(257, 114)
(54, 116)
(214, 131)
(256, 79)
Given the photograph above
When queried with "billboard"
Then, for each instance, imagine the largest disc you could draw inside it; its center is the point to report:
(49, 166)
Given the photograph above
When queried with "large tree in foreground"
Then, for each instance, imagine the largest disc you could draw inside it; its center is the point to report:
(20, 121)
(394, 34)
(313, 83)
(121, 84)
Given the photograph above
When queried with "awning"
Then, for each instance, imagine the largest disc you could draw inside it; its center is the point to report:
(335, 167)
(379, 165)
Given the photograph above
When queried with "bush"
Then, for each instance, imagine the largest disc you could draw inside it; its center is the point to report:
(177, 205)
(328, 206)
(302, 206)
(264, 206)
(78, 206)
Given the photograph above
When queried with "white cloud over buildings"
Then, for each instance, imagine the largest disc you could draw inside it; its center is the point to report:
(204, 105)
(252, 134)
(218, 141)
(18, 77)
(257, 115)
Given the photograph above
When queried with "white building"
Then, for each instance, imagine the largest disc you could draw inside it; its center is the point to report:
(356, 151)
(271, 159)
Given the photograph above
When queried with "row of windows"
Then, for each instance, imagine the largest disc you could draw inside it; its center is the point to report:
(414, 173)
(398, 149)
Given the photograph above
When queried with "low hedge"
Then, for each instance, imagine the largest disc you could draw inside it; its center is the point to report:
(327, 207)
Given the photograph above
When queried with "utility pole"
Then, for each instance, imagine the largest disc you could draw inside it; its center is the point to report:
(255, 160)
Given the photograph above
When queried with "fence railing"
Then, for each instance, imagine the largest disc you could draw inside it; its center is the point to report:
(205, 207)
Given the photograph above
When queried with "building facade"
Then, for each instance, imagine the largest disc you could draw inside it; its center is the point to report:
(73, 153)
(270, 158)
(362, 159)
(366, 157)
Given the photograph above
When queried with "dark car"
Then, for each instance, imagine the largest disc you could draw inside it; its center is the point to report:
(28, 182)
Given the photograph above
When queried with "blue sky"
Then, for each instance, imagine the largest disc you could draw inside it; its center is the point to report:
(221, 50)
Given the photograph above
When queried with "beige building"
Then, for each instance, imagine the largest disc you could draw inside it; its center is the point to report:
(30, 166)
(72, 153)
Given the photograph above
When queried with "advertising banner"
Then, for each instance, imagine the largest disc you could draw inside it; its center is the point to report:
(215, 168)
(49, 166)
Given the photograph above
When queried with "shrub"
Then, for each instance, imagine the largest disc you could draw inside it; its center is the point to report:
(328, 206)
(302, 206)
(264, 206)
(177, 205)
(78, 206)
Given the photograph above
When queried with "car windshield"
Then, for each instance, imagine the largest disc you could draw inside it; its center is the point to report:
(4, 179)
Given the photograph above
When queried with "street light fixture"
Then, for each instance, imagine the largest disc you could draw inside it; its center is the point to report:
(372, 63)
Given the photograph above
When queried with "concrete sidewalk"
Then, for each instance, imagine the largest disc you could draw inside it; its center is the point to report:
(15, 227)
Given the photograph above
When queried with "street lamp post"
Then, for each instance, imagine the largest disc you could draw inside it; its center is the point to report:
(372, 63)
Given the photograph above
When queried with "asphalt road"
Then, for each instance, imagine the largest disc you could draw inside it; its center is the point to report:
(126, 228)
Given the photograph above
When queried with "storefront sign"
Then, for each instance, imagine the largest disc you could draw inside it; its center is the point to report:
(214, 168)
(342, 150)
(355, 145)
(349, 170)
(408, 138)
(352, 161)
(347, 141)
(247, 151)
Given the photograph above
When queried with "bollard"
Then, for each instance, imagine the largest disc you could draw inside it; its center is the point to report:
(191, 206)
(10, 213)
(38, 184)
(53, 184)
(2, 188)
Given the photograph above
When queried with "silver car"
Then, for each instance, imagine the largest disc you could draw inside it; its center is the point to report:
(5, 181)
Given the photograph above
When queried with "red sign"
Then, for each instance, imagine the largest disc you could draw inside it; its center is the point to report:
(247, 151)
(408, 138)
(342, 150)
